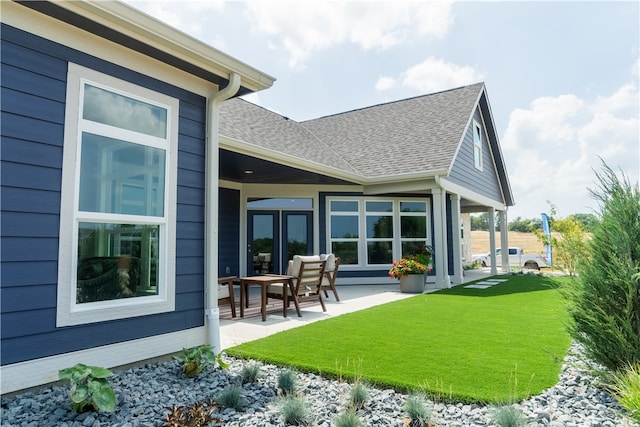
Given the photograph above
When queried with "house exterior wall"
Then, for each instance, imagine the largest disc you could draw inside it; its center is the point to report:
(229, 232)
(464, 172)
(33, 105)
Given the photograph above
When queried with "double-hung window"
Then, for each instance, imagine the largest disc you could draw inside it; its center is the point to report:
(117, 231)
(379, 217)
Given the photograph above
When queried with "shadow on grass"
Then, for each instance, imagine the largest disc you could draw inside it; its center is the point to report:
(514, 284)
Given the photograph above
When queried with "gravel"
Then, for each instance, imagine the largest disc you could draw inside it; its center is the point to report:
(145, 393)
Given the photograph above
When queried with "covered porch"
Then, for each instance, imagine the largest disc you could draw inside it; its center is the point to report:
(235, 331)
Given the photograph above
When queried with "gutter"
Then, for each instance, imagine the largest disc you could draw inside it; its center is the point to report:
(212, 312)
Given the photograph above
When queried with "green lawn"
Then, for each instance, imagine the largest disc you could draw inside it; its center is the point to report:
(459, 344)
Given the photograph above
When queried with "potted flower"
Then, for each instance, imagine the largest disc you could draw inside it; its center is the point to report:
(410, 273)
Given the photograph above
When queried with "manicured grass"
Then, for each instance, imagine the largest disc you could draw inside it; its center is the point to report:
(493, 345)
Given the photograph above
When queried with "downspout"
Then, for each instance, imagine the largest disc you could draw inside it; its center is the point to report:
(212, 312)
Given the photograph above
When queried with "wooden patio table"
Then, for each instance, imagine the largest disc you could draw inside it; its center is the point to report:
(264, 281)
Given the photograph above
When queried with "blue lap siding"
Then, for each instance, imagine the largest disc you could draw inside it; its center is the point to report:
(34, 74)
(464, 172)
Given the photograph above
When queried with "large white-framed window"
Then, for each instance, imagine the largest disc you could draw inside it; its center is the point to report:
(477, 145)
(414, 221)
(379, 231)
(117, 222)
(344, 230)
(368, 232)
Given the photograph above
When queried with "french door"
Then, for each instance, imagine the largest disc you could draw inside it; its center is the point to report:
(274, 237)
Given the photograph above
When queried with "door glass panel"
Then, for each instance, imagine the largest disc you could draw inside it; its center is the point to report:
(297, 235)
(263, 243)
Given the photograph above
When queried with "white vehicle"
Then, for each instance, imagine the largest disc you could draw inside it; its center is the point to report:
(516, 258)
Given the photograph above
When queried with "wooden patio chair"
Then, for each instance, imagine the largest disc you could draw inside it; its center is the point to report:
(330, 274)
(225, 292)
(307, 280)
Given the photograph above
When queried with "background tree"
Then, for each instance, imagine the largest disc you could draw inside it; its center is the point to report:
(605, 300)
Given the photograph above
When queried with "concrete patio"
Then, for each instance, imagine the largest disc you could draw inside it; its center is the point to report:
(352, 298)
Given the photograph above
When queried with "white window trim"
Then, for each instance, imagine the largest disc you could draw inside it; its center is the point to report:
(479, 163)
(68, 311)
(362, 239)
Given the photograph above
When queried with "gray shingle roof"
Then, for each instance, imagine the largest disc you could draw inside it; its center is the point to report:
(416, 135)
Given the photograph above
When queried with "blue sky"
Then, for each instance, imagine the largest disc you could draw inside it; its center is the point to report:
(562, 77)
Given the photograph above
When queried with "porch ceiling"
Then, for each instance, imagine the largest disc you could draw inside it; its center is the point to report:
(232, 167)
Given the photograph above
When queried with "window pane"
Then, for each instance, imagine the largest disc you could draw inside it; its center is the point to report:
(280, 203)
(344, 206)
(344, 227)
(413, 207)
(121, 177)
(379, 227)
(379, 207)
(107, 107)
(413, 226)
(116, 261)
(379, 252)
(412, 247)
(347, 251)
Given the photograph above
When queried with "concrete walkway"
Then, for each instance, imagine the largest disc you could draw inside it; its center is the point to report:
(352, 298)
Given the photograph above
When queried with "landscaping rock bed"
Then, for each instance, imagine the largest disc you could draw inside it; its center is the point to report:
(145, 393)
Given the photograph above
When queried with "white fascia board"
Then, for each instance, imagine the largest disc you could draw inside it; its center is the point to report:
(140, 26)
(425, 184)
(274, 156)
(465, 193)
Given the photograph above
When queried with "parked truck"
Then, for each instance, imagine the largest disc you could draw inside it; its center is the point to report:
(517, 257)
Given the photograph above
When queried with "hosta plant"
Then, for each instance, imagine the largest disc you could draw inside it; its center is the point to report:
(90, 389)
(196, 359)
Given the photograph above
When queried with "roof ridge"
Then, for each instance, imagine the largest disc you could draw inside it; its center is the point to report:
(394, 102)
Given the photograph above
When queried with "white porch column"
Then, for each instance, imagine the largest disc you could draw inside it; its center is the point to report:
(456, 241)
(504, 241)
(492, 239)
(440, 238)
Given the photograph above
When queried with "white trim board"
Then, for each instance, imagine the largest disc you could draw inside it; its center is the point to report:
(23, 375)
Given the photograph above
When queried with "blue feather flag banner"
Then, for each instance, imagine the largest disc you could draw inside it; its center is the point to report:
(547, 232)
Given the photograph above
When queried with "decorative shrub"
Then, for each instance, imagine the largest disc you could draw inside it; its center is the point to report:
(508, 416)
(249, 373)
(231, 397)
(287, 382)
(348, 418)
(625, 386)
(90, 389)
(417, 410)
(605, 301)
(358, 396)
(197, 359)
(199, 414)
(295, 411)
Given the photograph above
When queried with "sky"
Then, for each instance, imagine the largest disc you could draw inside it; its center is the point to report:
(562, 77)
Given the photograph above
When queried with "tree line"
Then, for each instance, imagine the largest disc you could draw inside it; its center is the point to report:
(586, 221)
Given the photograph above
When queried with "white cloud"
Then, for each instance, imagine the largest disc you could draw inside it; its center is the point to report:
(553, 148)
(304, 27)
(189, 16)
(433, 75)
(385, 83)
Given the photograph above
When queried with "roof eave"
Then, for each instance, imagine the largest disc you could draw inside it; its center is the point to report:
(145, 29)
